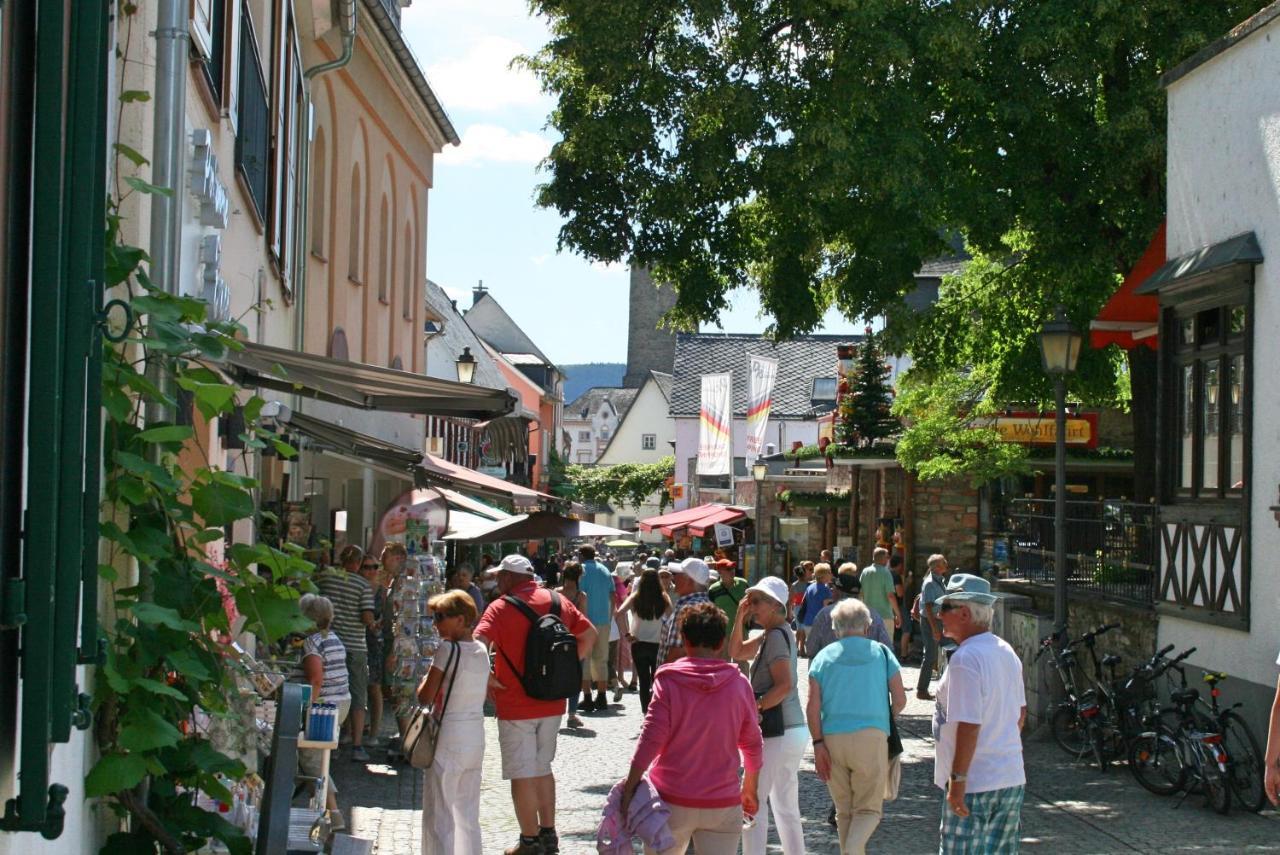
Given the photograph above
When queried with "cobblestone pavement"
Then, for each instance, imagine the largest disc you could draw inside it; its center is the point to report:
(1069, 808)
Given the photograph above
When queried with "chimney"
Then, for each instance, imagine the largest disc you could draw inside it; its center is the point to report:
(478, 292)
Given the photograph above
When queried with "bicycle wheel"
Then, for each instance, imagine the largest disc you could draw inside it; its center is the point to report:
(1156, 763)
(1217, 789)
(1069, 731)
(1244, 763)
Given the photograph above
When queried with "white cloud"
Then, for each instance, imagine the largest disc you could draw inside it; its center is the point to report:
(482, 79)
(608, 267)
(483, 143)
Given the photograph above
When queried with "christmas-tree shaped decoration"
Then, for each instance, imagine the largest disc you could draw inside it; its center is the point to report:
(865, 415)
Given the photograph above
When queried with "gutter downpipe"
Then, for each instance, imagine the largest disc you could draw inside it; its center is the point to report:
(347, 21)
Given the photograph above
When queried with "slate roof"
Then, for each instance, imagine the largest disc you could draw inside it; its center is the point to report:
(444, 349)
(591, 400)
(492, 323)
(664, 382)
(800, 361)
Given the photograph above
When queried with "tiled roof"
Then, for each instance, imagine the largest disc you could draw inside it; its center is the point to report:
(664, 383)
(800, 361)
(492, 323)
(590, 401)
(444, 349)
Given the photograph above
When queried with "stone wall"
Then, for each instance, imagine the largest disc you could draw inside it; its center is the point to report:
(945, 516)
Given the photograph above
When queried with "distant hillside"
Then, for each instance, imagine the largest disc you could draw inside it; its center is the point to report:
(580, 378)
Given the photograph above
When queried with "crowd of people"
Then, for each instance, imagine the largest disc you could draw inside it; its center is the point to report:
(715, 662)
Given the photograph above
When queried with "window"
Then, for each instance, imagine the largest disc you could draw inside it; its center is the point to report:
(319, 176)
(287, 106)
(213, 29)
(1209, 392)
(626, 523)
(353, 241)
(584, 456)
(584, 436)
(648, 442)
(824, 389)
(604, 433)
(253, 139)
(407, 299)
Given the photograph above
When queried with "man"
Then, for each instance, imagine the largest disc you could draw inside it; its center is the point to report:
(597, 584)
(878, 587)
(352, 598)
(931, 590)
(727, 591)
(822, 633)
(527, 727)
(1271, 778)
(977, 727)
(690, 578)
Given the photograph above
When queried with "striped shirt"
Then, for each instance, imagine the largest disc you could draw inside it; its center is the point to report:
(671, 623)
(351, 595)
(333, 655)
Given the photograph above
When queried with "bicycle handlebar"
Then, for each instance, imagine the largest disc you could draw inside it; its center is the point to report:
(1162, 653)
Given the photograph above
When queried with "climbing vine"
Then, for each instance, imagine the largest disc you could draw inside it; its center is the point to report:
(630, 484)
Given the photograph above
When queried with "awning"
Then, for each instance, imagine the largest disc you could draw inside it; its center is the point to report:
(539, 525)
(465, 526)
(363, 448)
(468, 480)
(697, 520)
(1130, 319)
(508, 436)
(365, 387)
(1243, 249)
(466, 504)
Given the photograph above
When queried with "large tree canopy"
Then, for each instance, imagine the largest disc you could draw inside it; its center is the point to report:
(818, 149)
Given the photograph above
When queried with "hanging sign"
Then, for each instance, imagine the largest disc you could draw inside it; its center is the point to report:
(760, 400)
(1038, 429)
(715, 437)
(724, 535)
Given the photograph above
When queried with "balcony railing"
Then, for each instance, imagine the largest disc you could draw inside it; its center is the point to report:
(1112, 546)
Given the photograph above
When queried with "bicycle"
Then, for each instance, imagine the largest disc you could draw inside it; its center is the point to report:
(1244, 757)
(1155, 755)
(1081, 722)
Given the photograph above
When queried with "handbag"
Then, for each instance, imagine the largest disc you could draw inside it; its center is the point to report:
(423, 733)
(771, 723)
(894, 776)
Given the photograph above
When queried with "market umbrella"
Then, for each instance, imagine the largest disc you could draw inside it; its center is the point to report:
(539, 525)
(622, 543)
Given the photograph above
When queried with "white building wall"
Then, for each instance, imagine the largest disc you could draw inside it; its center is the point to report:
(782, 433)
(1224, 179)
(649, 414)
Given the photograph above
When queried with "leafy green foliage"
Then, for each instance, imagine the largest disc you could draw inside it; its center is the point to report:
(630, 484)
(865, 414)
(949, 432)
(815, 499)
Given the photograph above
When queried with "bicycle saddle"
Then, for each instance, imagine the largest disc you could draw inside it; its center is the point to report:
(1111, 659)
(1212, 677)
(1184, 696)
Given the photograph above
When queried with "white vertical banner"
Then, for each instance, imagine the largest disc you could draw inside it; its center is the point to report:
(759, 402)
(715, 428)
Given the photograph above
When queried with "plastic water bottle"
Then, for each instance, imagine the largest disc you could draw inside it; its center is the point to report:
(315, 721)
(331, 723)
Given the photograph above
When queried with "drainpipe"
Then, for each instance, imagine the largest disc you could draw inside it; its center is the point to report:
(170, 99)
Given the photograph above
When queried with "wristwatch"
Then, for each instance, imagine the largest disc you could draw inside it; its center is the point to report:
(958, 779)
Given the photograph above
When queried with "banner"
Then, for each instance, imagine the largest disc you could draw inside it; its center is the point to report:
(763, 372)
(715, 429)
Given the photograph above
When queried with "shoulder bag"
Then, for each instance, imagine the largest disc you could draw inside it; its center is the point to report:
(894, 776)
(771, 723)
(423, 733)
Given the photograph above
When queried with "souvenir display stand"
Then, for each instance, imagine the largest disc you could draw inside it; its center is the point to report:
(415, 637)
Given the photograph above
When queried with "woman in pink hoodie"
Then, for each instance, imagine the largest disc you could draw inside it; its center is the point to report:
(701, 727)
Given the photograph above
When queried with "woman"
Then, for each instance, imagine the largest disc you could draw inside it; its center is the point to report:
(647, 605)
(571, 577)
(816, 597)
(850, 685)
(622, 575)
(701, 720)
(323, 665)
(901, 585)
(375, 643)
(451, 791)
(775, 682)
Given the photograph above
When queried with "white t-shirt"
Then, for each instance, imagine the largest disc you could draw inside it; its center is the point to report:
(982, 686)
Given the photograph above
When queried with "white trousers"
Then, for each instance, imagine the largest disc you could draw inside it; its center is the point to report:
(451, 791)
(779, 794)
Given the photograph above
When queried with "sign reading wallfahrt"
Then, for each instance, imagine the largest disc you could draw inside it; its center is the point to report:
(1040, 429)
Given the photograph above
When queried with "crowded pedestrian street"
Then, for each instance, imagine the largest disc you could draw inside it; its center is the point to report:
(1068, 809)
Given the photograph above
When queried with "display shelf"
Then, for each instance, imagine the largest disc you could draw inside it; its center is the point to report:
(312, 743)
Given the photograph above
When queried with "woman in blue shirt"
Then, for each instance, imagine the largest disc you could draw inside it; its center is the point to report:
(851, 683)
(816, 597)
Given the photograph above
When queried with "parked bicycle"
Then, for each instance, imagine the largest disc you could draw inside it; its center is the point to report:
(1082, 721)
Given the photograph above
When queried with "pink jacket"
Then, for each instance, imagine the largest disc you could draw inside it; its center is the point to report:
(701, 718)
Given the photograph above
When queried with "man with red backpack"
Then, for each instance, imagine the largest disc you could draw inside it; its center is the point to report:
(539, 638)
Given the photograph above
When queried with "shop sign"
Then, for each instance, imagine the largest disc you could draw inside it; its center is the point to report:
(1041, 429)
(724, 535)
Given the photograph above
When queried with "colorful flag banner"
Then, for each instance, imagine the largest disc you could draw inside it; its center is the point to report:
(715, 431)
(763, 372)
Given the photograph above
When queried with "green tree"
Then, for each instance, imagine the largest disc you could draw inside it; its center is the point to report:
(629, 484)
(866, 409)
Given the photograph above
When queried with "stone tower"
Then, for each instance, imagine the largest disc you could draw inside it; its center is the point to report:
(649, 348)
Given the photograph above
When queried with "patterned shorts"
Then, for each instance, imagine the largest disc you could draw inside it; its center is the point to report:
(993, 826)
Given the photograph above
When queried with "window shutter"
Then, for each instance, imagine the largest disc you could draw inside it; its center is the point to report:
(202, 27)
(253, 138)
(231, 64)
(280, 95)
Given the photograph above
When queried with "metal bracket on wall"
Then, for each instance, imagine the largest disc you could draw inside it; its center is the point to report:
(104, 317)
(51, 827)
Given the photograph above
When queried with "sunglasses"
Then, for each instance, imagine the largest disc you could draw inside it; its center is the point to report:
(439, 616)
(949, 607)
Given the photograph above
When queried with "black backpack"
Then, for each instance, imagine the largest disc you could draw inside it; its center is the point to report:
(552, 671)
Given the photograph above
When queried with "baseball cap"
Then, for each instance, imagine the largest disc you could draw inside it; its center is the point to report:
(849, 584)
(773, 588)
(655, 562)
(725, 564)
(695, 568)
(623, 571)
(968, 588)
(516, 564)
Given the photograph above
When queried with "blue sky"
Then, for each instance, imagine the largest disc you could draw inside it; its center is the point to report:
(482, 221)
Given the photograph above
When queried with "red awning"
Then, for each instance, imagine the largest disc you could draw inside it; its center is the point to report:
(697, 520)
(678, 518)
(464, 479)
(1128, 319)
(725, 516)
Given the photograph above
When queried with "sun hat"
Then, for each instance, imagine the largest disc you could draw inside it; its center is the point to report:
(849, 584)
(968, 588)
(695, 568)
(773, 588)
(623, 571)
(516, 564)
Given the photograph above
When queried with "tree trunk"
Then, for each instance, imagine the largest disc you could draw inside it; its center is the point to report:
(1143, 365)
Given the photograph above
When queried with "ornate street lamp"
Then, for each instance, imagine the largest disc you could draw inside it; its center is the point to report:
(466, 366)
(1060, 345)
(759, 470)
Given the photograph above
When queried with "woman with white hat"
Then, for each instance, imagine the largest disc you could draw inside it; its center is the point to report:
(775, 683)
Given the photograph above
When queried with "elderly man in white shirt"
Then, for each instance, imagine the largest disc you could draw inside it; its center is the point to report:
(977, 728)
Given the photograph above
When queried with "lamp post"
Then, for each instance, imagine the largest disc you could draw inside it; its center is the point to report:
(759, 470)
(1059, 349)
(466, 366)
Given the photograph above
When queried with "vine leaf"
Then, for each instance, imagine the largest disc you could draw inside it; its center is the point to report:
(157, 615)
(166, 433)
(221, 504)
(113, 773)
(146, 730)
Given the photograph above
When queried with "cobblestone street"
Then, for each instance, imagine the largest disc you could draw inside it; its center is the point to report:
(1069, 808)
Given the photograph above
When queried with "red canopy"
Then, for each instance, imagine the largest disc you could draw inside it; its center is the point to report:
(697, 519)
(1128, 319)
(725, 516)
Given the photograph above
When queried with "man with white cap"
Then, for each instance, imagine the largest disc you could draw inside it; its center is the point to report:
(527, 727)
(690, 579)
(977, 727)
